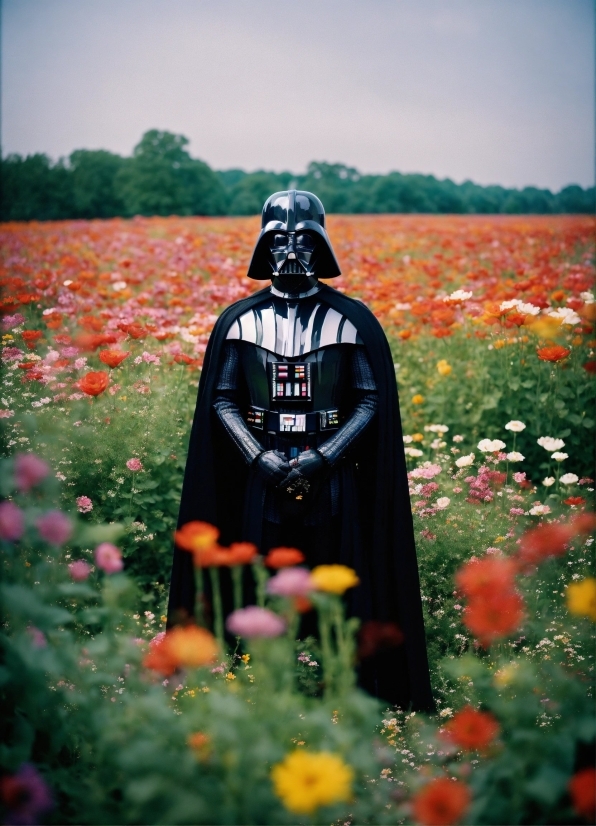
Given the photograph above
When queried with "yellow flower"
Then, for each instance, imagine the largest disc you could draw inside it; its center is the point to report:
(443, 367)
(335, 579)
(581, 598)
(545, 327)
(418, 437)
(245, 658)
(307, 780)
(417, 399)
(230, 676)
(505, 675)
(500, 342)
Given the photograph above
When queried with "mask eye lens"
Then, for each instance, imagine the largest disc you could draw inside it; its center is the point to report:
(280, 241)
(305, 241)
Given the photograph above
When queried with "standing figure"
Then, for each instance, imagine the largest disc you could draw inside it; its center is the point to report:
(297, 440)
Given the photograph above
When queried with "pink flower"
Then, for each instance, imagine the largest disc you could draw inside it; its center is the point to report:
(29, 470)
(255, 622)
(516, 511)
(457, 490)
(79, 570)
(519, 477)
(12, 522)
(426, 472)
(108, 558)
(134, 464)
(84, 504)
(55, 527)
(290, 582)
(38, 638)
(6, 414)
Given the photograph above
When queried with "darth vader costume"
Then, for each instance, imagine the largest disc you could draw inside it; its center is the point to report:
(296, 440)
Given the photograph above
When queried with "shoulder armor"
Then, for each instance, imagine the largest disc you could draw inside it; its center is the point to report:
(293, 328)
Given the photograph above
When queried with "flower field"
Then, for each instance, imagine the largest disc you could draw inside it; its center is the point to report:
(491, 321)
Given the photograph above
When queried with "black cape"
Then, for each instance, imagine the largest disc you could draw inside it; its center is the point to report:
(220, 489)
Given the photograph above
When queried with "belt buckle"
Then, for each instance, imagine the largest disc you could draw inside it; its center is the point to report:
(328, 419)
(292, 422)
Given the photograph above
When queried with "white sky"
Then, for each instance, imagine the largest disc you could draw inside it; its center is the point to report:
(497, 91)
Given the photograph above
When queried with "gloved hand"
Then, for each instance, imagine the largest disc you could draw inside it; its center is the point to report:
(309, 464)
(272, 466)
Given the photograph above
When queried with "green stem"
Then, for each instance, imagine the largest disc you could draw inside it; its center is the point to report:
(326, 650)
(217, 606)
(261, 577)
(237, 571)
(200, 590)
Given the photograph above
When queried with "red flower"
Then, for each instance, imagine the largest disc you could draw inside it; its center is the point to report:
(239, 553)
(590, 366)
(486, 576)
(31, 335)
(544, 541)
(574, 500)
(26, 365)
(582, 789)
(284, 557)
(113, 357)
(554, 352)
(441, 802)
(493, 615)
(472, 730)
(94, 383)
(92, 341)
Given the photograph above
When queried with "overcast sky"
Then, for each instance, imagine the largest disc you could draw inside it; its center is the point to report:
(497, 91)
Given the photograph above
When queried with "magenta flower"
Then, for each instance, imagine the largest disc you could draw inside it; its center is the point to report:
(290, 582)
(25, 795)
(134, 464)
(29, 470)
(79, 570)
(108, 558)
(12, 522)
(55, 527)
(84, 504)
(38, 638)
(255, 622)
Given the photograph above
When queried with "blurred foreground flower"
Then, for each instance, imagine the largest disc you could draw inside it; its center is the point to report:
(55, 527)
(290, 582)
(185, 646)
(334, 579)
(441, 802)
(79, 570)
(108, 558)
(305, 781)
(25, 795)
(254, 622)
(29, 471)
(581, 598)
(582, 789)
(472, 730)
(94, 383)
(200, 743)
(553, 353)
(284, 557)
(12, 522)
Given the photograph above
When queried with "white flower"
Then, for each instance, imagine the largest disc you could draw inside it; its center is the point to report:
(539, 510)
(548, 481)
(443, 502)
(509, 305)
(403, 306)
(458, 438)
(446, 712)
(514, 456)
(527, 309)
(437, 444)
(566, 314)
(119, 285)
(587, 297)
(568, 479)
(458, 295)
(413, 452)
(550, 444)
(515, 426)
(465, 461)
(407, 440)
(559, 457)
(490, 445)
(436, 428)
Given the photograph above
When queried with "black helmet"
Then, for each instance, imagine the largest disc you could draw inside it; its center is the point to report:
(293, 211)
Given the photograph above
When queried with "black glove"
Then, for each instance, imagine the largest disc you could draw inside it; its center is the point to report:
(306, 469)
(272, 466)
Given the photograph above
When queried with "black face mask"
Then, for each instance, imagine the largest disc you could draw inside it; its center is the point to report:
(293, 254)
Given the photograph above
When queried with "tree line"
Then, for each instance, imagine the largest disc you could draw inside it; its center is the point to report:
(161, 178)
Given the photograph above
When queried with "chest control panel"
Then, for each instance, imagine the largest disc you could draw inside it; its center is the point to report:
(290, 381)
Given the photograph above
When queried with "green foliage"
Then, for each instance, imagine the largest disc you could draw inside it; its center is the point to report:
(95, 193)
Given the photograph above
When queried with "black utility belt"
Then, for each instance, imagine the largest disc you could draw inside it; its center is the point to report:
(273, 422)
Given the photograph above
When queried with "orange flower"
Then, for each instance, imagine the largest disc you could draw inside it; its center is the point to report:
(31, 335)
(200, 539)
(94, 383)
(485, 576)
(441, 802)
(284, 557)
(404, 334)
(472, 730)
(200, 743)
(494, 615)
(184, 646)
(554, 352)
(582, 789)
(544, 541)
(113, 357)
(239, 553)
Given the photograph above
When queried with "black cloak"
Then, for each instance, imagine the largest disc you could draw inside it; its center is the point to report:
(215, 491)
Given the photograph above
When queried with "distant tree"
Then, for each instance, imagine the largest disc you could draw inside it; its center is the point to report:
(231, 177)
(574, 199)
(162, 179)
(93, 175)
(33, 189)
(530, 200)
(250, 193)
